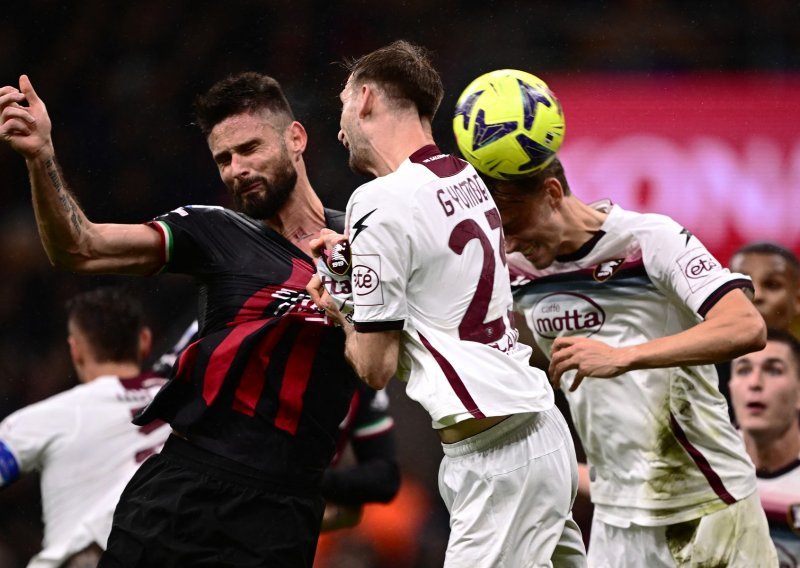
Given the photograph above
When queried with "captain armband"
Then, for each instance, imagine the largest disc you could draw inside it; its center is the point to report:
(338, 287)
(9, 468)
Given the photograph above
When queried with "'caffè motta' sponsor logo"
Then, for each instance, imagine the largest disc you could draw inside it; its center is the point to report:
(567, 313)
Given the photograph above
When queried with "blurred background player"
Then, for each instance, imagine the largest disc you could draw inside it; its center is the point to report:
(431, 303)
(255, 403)
(765, 391)
(775, 272)
(82, 441)
(637, 301)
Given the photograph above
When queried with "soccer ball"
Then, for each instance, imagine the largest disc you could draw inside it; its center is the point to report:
(508, 124)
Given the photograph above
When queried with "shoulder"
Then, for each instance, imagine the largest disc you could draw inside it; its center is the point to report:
(204, 214)
(382, 198)
(49, 413)
(620, 220)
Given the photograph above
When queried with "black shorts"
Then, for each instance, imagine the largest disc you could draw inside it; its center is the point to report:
(186, 507)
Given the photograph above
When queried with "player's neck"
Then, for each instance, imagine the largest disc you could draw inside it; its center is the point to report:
(582, 221)
(394, 140)
(94, 370)
(301, 218)
(776, 453)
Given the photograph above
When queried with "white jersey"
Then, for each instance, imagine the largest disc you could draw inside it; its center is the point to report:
(83, 443)
(659, 442)
(428, 259)
(780, 496)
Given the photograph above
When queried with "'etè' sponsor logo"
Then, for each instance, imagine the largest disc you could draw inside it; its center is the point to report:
(699, 266)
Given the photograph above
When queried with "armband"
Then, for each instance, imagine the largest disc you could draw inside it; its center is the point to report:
(9, 468)
(338, 287)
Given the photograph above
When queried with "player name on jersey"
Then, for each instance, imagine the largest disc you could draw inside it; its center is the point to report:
(466, 194)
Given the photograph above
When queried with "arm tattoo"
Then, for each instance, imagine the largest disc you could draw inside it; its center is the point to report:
(68, 203)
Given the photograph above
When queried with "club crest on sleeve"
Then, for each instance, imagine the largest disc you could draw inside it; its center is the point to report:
(339, 259)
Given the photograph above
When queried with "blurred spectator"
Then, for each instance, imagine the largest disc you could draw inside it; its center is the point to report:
(775, 272)
(765, 389)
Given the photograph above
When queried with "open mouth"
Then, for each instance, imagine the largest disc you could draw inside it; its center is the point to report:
(756, 406)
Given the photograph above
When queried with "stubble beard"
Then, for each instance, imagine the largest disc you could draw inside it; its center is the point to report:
(268, 202)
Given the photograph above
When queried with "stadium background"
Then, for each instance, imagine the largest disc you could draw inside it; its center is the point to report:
(685, 108)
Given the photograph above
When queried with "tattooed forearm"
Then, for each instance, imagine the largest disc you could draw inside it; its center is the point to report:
(54, 174)
(68, 204)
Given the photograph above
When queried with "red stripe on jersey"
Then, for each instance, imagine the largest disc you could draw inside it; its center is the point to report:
(455, 381)
(186, 362)
(254, 376)
(220, 361)
(702, 463)
(296, 377)
(256, 304)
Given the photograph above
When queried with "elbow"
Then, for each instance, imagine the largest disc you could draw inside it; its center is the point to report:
(376, 379)
(68, 261)
(72, 258)
(752, 335)
(758, 339)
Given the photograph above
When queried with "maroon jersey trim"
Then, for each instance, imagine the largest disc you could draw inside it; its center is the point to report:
(443, 165)
(701, 462)
(455, 381)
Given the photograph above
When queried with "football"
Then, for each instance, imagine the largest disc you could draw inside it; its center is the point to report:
(508, 124)
(338, 259)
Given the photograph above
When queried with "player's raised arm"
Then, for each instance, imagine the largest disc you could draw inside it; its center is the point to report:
(69, 238)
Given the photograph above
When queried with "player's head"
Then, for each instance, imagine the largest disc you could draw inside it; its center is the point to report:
(106, 325)
(530, 209)
(254, 139)
(402, 75)
(765, 388)
(776, 277)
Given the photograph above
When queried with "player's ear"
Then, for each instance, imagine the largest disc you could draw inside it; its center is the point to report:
(554, 191)
(75, 351)
(145, 343)
(366, 100)
(296, 138)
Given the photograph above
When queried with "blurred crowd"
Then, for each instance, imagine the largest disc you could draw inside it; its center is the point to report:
(119, 80)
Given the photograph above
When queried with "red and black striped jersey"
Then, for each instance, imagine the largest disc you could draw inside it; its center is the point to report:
(266, 384)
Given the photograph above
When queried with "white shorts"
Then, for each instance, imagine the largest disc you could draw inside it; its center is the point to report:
(510, 491)
(736, 536)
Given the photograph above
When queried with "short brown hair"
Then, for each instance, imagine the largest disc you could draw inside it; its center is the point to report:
(111, 319)
(404, 71)
(530, 185)
(246, 92)
(782, 336)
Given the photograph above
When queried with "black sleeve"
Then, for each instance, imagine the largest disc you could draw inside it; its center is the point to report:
(376, 475)
(192, 238)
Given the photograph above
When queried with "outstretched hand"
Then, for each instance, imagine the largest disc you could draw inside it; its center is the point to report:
(25, 128)
(589, 357)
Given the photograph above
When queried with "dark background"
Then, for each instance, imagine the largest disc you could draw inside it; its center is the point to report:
(118, 79)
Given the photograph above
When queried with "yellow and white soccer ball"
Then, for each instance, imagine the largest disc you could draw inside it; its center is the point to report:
(508, 124)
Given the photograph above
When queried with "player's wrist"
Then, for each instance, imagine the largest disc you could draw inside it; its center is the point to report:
(42, 155)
